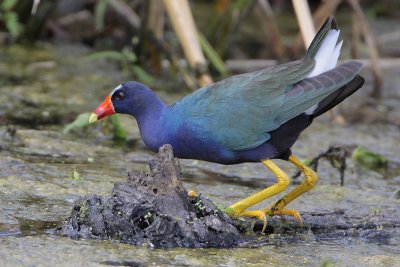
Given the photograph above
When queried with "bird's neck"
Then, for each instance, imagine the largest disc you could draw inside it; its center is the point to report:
(149, 121)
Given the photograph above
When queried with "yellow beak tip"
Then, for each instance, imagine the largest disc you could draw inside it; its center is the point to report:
(92, 118)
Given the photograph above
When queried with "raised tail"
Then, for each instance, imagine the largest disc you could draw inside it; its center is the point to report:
(327, 84)
(330, 24)
(325, 48)
(325, 51)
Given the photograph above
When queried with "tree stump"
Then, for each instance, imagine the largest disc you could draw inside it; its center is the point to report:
(155, 209)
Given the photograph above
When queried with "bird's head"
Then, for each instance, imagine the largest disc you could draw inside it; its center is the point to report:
(127, 98)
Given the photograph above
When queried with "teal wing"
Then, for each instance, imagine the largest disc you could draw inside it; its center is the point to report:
(238, 112)
(309, 92)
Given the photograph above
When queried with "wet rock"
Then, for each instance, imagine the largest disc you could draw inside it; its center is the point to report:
(153, 209)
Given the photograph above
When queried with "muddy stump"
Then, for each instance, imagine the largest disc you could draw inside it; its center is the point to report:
(154, 209)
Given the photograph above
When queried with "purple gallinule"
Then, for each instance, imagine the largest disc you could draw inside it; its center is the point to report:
(252, 117)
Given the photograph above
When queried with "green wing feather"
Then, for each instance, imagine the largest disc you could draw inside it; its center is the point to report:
(238, 112)
(310, 91)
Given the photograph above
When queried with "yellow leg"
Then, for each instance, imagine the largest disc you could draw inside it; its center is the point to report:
(239, 207)
(309, 182)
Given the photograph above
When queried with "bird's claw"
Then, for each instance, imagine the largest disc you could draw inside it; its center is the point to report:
(294, 213)
(259, 214)
(262, 214)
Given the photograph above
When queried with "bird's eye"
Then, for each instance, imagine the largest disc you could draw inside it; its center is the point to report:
(119, 95)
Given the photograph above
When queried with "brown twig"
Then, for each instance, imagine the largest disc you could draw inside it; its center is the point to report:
(337, 157)
(326, 9)
(155, 22)
(305, 21)
(223, 28)
(356, 37)
(182, 21)
(270, 27)
(155, 26)
(123, 9)
(134, 20)
(372, 47)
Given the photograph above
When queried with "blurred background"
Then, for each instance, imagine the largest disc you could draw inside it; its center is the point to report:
(59, 59)
(172, 46)
(178, 46)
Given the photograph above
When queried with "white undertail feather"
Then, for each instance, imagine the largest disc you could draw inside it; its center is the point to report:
(328, 54)
(326, 58)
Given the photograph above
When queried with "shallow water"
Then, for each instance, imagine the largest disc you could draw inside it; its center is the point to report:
(42, 172)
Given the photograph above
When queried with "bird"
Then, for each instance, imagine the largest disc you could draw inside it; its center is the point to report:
(251, 117)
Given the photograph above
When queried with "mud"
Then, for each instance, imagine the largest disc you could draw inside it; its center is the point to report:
(332, 225)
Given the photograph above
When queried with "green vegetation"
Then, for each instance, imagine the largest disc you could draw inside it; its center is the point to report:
(119, 134)
(370, 160)
(81, 121)
(213, 56)
(10, 18)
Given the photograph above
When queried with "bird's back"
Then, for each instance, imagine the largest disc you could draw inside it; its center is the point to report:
(240, 113)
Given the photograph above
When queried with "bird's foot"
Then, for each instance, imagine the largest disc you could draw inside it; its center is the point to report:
(294, 213)
(263, 214)
(259, 214)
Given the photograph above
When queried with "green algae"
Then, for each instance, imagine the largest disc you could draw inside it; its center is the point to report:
(370, 159)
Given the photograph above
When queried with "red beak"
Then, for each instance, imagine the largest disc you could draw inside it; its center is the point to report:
(105, 109)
